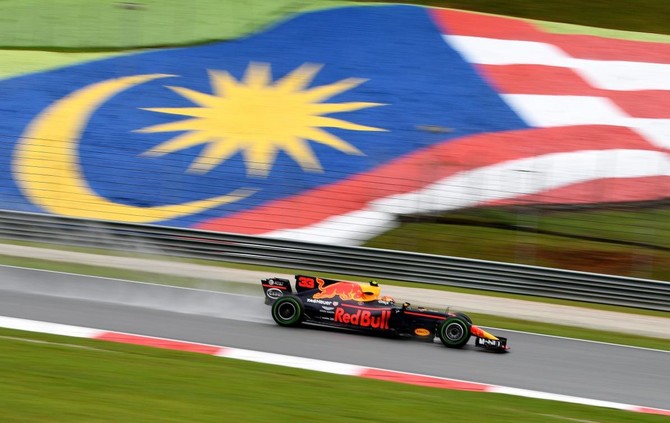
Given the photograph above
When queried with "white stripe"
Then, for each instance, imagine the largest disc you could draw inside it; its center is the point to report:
(544, 111)
(500, 181)
(557, 397)
(565, 110)
(614, 315)
(490, 51)
(353, 228)
(52, 328)
(623, 76)
(604, 74)
(526, 176)
(292, 361)
(656, 131)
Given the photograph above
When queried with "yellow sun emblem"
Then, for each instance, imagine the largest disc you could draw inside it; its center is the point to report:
(259, 118)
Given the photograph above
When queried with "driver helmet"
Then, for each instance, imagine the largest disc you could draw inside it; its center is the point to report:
(371, 291)
(388, 299)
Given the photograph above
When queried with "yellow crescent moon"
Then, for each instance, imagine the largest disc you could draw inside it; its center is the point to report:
(47, 169)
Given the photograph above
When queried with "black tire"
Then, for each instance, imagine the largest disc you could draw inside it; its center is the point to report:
(454, 332)
(464, 317)
(287, 311)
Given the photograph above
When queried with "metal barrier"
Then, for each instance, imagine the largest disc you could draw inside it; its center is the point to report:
(358, 261)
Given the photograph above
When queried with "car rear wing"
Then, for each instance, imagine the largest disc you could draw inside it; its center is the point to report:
(275, 288)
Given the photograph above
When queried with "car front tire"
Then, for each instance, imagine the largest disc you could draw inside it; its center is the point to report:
(454, 332)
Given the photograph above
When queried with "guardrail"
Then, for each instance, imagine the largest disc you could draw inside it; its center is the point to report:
(358, 261)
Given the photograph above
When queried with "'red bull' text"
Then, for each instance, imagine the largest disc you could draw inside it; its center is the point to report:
(363, 318)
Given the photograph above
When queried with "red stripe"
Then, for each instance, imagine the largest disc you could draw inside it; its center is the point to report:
(601, 48)
(423, 167)
(537, 79)
(648, 410)
(456, 22)
(549, 80)
(643, 103)
(431, 381)
(274, 286)
(607, 190)
(363, 307)
(430, 316)
(167, 344)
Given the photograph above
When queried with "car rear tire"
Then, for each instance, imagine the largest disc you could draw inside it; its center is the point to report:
(454, 332)
(287, 311)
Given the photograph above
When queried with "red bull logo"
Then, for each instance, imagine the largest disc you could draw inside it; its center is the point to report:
(363, 318)
(345, 290)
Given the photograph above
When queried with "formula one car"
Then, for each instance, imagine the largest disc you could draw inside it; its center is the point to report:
(358, 306)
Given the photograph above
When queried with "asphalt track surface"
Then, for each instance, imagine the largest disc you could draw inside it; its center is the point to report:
(212, 277)
(556, 365)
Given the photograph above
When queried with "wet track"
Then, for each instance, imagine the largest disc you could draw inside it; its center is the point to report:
(555, 365)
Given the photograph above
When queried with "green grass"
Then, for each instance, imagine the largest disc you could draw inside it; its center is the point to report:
(48, 378)
(627, 242)
(78, 25)
(641, 16)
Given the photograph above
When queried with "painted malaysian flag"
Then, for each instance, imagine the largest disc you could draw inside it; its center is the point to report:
(598, 116)
(329, 126)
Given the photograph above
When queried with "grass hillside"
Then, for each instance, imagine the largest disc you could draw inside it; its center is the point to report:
(649, 16)
(630, 240)
(78, 25)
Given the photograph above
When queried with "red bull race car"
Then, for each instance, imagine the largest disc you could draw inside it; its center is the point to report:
(358, 306)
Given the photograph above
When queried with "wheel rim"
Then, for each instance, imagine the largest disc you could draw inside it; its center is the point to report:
(286, 311)
(454, 332)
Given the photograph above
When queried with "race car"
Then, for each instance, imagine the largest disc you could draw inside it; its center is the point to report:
(359, 306)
